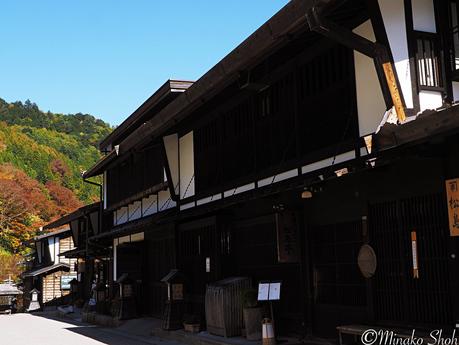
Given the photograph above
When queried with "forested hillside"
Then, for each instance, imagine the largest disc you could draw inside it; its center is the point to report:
(41, 159)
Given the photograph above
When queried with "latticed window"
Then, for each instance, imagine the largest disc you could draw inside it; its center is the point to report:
(429, 71)
(454, 35)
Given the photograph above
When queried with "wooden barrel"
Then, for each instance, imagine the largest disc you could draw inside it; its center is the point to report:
(223, 305)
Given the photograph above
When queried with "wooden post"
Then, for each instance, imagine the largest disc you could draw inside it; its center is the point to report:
(394, 91)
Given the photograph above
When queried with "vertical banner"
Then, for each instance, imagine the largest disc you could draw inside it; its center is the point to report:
(452, 196)
(287, 237)
(414, 252)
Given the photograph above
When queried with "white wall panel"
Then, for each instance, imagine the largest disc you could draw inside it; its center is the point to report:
(122, 215)
(150, 205)
(393, 13)
(56, 250)
(424, 15)
(344, 157)
(214, 197)
(277, 178)
(164, 201)
(370, 102)
(51, 248)
(455, 91)
(137, 237)
(171, 145)
(430, 100)
(238, 190)
(135, 210)
(186, 158)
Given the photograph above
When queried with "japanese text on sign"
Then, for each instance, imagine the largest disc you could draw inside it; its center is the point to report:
(452, 195)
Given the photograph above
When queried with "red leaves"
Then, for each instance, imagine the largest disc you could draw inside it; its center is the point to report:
(25, 204)
(64, 199)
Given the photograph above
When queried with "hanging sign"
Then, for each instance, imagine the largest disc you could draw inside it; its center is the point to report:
(414, 250)
(452, 196)
(287, 237)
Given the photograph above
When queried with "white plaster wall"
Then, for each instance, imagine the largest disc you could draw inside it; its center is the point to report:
(423, 15)
(430, 100)
(122, 215)
(370, 101)
(150, 205)
(51, 248)
(424, 20)
(56, 250)
(186, 161)
(171, 145)
(135, 210)
(455, 90)
(393, 13)
(164, 200)
(137, 237)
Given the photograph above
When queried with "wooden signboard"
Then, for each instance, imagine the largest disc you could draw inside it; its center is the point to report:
(452, 196)
(287, 237)
(414, 252)
(177, 292)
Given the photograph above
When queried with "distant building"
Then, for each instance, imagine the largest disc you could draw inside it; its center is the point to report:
(49, 272)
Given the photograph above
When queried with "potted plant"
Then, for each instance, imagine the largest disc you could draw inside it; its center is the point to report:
(252, 313)
(192, 323)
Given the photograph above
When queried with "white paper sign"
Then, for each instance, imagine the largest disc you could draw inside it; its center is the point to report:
(269, 291)
(207, 265)
(274, 291)
(263, 291)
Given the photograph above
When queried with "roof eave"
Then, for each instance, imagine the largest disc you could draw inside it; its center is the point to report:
(170, 86)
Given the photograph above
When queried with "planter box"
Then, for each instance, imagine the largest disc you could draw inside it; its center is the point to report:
(253, 322)
(192, 327)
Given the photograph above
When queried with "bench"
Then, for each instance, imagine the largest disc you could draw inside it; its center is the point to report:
(358, 330)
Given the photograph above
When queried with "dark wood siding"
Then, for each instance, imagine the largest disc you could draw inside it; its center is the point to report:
(160, 260)
(308, 112)
(142, 170)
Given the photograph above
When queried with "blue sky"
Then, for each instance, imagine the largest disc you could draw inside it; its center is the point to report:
(105, 57)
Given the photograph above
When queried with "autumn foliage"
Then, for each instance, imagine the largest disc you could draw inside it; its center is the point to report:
(25, 205)
(42, 156)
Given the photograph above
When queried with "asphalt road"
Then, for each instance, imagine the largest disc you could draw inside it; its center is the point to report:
(21, 329)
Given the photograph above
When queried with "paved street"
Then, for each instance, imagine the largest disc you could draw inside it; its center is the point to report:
(22, 329)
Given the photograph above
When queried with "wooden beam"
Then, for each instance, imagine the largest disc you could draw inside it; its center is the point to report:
(339, 34)
(379, 29)
(378, 52)
(394, 91)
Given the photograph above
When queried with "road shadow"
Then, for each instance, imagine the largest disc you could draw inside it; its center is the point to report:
(102, 335)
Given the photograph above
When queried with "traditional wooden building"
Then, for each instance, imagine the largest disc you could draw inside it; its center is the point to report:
(50, 273)
(135, 191)
(329, 132)
(92, 262)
